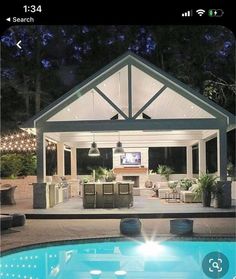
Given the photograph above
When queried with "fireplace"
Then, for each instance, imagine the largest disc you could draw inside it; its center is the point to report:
(135, 179)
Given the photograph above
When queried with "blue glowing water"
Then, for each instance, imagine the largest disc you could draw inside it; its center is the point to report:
(167, 259)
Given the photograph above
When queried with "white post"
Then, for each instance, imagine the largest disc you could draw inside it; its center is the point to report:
(222, 154)
(73, 161)
(41, 156)
(60, 159)
(202, 156)
(189, 161)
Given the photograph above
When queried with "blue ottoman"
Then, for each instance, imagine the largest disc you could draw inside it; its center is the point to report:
(130, 226)
(18, 219)
(181, 226)
(5, 221)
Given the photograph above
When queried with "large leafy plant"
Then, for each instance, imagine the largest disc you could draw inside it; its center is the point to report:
(206, 183)
(185, 183)
(165, 171)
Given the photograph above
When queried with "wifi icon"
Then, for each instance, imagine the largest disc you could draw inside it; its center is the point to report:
(200, 12)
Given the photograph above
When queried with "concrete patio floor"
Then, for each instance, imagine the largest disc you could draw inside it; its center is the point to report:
(143, 205)
(40, 231)
(93, 223)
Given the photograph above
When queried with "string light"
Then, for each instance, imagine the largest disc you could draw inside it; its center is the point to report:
(22, 142)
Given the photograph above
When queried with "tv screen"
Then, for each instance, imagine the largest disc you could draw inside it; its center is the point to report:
(131, 158)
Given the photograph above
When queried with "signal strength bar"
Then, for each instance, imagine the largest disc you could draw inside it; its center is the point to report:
(187, 14)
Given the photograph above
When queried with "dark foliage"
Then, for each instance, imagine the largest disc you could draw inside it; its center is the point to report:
(53, 59)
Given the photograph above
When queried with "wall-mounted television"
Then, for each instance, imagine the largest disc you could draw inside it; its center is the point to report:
(131, 158)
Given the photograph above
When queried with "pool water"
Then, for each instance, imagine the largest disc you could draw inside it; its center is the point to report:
(122, 259)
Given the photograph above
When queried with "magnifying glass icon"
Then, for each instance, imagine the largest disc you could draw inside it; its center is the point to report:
(215, 265)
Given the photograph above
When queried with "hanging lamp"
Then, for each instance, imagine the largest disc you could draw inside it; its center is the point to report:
(119, 150)
(93, 151)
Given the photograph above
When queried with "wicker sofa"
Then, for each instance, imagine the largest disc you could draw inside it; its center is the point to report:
(163, 189)
(190, 195)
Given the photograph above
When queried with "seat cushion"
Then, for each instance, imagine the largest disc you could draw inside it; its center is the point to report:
(162, 185)
(5, 222)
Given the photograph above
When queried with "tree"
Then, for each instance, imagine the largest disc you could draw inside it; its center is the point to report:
(53, 59)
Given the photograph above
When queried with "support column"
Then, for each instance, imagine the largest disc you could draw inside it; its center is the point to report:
(189, 161)
(222, 154)
(60, 159)
(73, 161)
(40, 189)
(41, 156)
(202, 156)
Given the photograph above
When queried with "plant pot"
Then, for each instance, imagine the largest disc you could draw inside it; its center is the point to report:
(218, 202)
(109, 179)
(225, 195)
(206, 199)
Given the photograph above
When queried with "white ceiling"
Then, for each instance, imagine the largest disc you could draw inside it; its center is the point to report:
(168, 105)
(143, 88)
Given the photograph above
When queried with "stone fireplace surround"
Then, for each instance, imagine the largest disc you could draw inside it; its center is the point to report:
(135, 179)
(137, 174)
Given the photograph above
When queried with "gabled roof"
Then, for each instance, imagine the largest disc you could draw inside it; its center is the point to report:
(129, 59)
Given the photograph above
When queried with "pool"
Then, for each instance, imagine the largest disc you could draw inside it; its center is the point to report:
(116, 258)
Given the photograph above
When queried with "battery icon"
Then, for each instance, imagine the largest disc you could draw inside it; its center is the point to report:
(215, 13)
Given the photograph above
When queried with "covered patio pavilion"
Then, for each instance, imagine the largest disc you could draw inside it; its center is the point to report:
(137, 103)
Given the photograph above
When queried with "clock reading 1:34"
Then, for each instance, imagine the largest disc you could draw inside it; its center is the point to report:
(32, 9)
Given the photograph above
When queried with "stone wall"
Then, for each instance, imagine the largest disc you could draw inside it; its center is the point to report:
(24, 185)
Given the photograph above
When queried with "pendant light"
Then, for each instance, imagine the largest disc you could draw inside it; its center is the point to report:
(93, 151)
(119, 150)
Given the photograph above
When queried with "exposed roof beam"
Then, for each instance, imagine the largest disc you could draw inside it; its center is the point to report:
(150, 101)
(131, 145)
(131, 124)
(110, 102)
(131, 138)
(130, 90)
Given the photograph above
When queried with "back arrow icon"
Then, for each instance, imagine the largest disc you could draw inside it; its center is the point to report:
(18, 45)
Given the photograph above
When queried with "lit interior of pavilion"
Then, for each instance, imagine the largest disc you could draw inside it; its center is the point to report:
(134, 105)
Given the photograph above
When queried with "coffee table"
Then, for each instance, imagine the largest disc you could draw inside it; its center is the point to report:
(172, 197)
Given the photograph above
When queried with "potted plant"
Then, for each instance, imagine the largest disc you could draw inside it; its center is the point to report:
(222, 194)
(185, 184)
(218, 196)
(206, 183)
(173, 186)
(165, 171)
(110, 176)
(85, 180)
(100, 173)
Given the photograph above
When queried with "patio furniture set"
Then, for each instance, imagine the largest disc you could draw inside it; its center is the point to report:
(163, 191)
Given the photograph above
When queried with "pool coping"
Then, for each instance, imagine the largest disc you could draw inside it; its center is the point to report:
(230, 214)
(166, 237)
